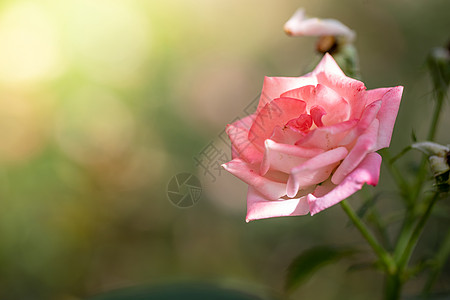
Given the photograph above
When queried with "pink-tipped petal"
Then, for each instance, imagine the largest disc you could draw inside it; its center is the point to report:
(350, 89)
(314, 170)
(329, 66)
(317, 112)
(276, 113)
(327, 137)
(301, 93)
(285, 135)
(258, 207)
(345, 86)
(300, 124)
(242, 147)
(328, 194)
(387, 115)
(245, 123)
(273, 87)
(250, 175)
(364, 145)
(325, 97)
(375, 95)
(284, 157)
(368, 116)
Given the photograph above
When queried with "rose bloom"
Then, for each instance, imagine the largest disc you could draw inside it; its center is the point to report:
(311, 142)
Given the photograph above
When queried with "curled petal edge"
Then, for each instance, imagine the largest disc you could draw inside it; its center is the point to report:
(259, 207)
(326, 196)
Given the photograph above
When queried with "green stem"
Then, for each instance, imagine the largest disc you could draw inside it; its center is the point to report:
(404, 259)
(385, 257)
(403, 152)
(408, 225)
(405, 234)
(393, 287)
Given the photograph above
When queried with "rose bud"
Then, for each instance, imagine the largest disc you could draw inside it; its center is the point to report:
(333, 37)
(438, 157)
(300, 25)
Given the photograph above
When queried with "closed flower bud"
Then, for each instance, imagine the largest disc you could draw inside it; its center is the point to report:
(333, 37)
(300, 25)
(439, 158)
(430, 148)
(439, 165)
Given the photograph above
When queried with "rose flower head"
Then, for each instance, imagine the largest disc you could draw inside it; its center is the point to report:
(311, 142)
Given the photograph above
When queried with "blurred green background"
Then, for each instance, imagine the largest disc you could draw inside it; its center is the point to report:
(102, 102)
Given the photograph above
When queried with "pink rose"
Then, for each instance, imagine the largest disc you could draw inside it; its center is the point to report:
(311, 142)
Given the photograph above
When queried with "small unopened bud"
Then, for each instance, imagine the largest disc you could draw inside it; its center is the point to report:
(300, 25)
(430, 148)
(439, 158)
(439, 165)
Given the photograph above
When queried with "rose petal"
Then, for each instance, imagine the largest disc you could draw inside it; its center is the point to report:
(329, 66)
(368, 116)
(328, 194)
(259, 207)
(284, 157)
(276, 113)
(302, 93)
(345, 86)
(327, 137)
(245, 123)
(273, 87)
(329, 74)
(375, 95)
(286, 135)
(325, 97)
(250, 175)
(242, 147)
(314, 170)
(364, 145)
(387, 115)
(301, 124)
(317, 112)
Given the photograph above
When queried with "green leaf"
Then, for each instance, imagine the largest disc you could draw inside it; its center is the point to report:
(304, 265)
